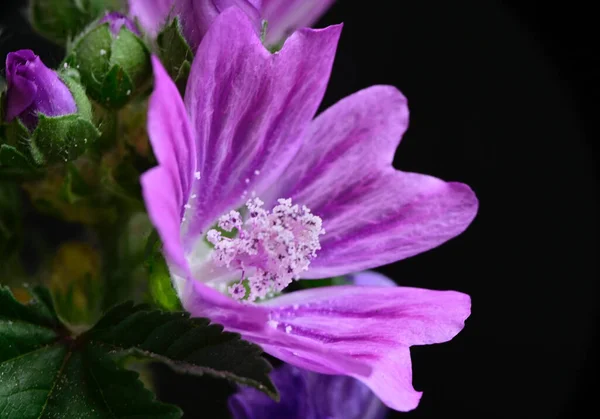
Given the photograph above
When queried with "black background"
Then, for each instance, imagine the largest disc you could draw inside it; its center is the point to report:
(501, 97)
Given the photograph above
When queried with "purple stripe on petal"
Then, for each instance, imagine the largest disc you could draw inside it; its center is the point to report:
(339, 329)
(372, 213)
(197, 16)
(250, 109)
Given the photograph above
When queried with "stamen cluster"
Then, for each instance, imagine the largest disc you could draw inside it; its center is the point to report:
(271, 248)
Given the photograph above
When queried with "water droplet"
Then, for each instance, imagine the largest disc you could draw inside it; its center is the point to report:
(102, 52)
(197, 175)
(288, 329)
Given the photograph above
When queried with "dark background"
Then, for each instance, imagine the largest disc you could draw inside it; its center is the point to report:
(501, 97)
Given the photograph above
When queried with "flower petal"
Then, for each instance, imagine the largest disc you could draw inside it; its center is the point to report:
(372, 213)
(152, 14)
(284, 17)
(364, 332)
(166, 188)
(370, 279)
(308, 395)
(250, 108)
(197, 16)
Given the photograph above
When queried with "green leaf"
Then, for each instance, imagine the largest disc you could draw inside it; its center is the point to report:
(175, 53)
(47, 373)
(190, 345)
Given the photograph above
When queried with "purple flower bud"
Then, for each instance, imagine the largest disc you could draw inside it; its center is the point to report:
(117, 21)
(308, 395)
(33, 88)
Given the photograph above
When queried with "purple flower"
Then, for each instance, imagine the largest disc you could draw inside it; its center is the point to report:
(33, 88)
(117, 21)
(283, 17)
(309, 395)
(326, 188)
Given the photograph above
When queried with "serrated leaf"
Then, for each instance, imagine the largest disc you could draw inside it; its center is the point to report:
(191, 345)
(46, 373)
(110, 391)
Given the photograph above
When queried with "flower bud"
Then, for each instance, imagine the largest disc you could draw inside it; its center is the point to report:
(48, 113)
(112, 60)
(33, 89)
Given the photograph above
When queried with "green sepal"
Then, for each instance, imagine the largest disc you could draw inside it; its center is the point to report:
(72, 79)
(161, 288)
(61, 138)
(129, 52)
(113, 69)
(175, 53)
(61, 20)
(117, 88)
(17, 135)
(89, 55)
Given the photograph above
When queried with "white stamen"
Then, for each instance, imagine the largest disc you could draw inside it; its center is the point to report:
(272, 248)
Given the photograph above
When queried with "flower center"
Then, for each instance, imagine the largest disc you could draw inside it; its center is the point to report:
(271, 248)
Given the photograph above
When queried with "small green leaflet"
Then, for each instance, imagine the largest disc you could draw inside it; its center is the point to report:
(46, 372)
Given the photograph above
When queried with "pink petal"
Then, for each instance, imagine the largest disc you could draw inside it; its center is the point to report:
(151, 14)
(372, 213)
(359, 331)
(166, 188)
(284, 17)
(250, 108)
(197, 16)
